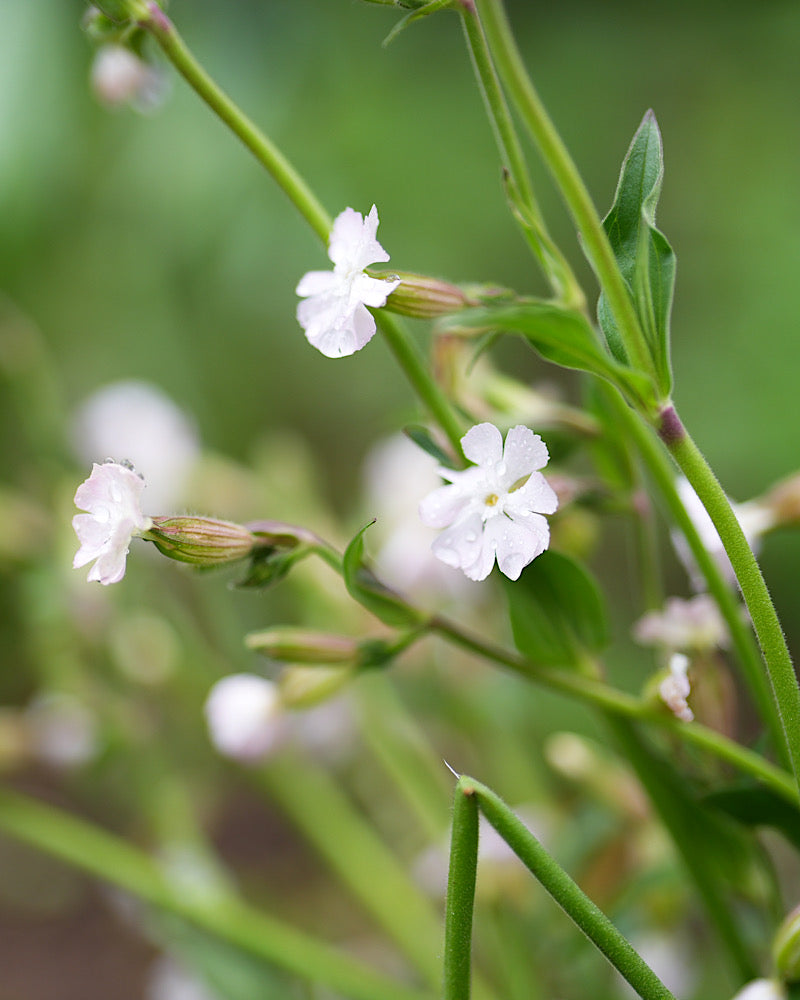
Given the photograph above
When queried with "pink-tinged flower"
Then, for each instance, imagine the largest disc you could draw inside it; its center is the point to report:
(494, 509)
(693, 625)
(334, 312)
(245, 717)
(112, 498)
(675, 689)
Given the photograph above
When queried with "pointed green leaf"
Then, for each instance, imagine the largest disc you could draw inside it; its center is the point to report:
(364, 587)
(421, 437)
(559, 335)
(557, 613)
(755, 805)
(644, 256)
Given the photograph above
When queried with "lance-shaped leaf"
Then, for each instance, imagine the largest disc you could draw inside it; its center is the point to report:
(562, 336)
(644, 256)
(557, 614)
(364, 587)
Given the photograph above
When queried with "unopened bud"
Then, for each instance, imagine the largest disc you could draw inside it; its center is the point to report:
(783, 501)
(296, 645)
(120, 77)
(303, 686)
(786, 947)
(425, 298)
(201, 541)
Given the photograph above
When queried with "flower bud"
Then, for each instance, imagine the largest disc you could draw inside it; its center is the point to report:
(786, 947)
(425, 298)
(201, 541)
(297, 645)
(304, 686)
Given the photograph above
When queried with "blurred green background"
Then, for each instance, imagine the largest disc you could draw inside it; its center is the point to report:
(155, 247)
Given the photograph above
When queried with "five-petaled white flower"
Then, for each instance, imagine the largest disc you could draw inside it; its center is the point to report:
(112, 496)
(334, 311)
(495, 508)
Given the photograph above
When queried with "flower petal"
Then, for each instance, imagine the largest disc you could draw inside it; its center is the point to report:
(441, 507)
(318, 283)
(516, 543)
(523, 453)
(372, 291)
(537, 495)
(461, 545)
(353, 245)
(483, 444)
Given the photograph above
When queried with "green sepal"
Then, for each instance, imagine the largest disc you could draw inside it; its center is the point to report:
(643, 254)
(415, 15)
(269, 565)
(364, 587)
(562, 336)
(557, 614)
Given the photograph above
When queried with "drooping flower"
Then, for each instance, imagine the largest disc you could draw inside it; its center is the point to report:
(120, 77)
(754, 518)
(675, 689)
(334, 311)
(112, 498)
(494, 509)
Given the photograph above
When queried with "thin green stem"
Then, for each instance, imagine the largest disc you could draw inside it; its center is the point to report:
(289, 180)
(569, 896)
(351, 848)
(662, 473)
(565, 174)
(554, 264)
(751, 581)
(625, 705)
(461, 895)
(101, 854)
(267, 154)
(410, 359)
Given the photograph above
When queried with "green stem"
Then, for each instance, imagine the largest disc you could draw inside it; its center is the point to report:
(575, 903)
(751, 581)
(267, 154)
(354, 852)
(101, 854)
(410, 359)
(663, 474)
(553, 262)
(658, 778)
(461, 895)
(290, 181)
(565, 174)
(621, 704)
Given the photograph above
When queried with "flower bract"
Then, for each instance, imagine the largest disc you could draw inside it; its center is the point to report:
(112, 498)
(334, 311)
(493, 510)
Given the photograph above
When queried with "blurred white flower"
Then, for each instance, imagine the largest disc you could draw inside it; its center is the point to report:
(762, 989)
(168, 980)
(667, 956)
(119, 76)
(139, 421)
(694, 625)
(245, 716)
(61, 731)
(754, 518)
(494, 509)
(396, 472)
(674, 689)
(334, 312)
(112, 497)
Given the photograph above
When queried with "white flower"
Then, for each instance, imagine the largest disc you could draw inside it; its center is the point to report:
(120, 77)
(334, 312)
(762, 989)
(694, 625)
(245, 717)
(140, 421)
(753, 518)
(495, 508)
(674, 689)
(112, 496)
